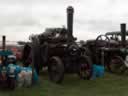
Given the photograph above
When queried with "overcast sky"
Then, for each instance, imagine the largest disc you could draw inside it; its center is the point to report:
(20, 18)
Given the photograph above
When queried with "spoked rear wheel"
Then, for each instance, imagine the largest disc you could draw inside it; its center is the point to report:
(56, 69)
(85, 68)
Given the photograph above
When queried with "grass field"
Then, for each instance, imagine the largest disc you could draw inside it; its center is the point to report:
(110, 85)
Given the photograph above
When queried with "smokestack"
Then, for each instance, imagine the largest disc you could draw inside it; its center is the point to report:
(3, 48)
(3, 42)
(123, 34)
(70, 12)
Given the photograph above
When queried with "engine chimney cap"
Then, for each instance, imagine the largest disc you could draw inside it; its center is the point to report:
(70, 9)
(123, 24)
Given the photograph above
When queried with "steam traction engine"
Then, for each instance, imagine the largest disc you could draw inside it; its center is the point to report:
(110, 50)
(58, 49)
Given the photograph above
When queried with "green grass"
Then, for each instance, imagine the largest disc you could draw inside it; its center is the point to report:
(110, 85)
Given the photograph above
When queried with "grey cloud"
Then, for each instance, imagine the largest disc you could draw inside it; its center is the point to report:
(33, 3)
(91, 16)
(10, 2)
(99, 25)
(17, 22)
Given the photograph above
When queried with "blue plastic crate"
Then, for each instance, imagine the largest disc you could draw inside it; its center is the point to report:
(98, 71)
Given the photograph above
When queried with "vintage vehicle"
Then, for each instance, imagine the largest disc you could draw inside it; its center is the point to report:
(57, 48)
(109, 50)
(119, 50)
(7, 75)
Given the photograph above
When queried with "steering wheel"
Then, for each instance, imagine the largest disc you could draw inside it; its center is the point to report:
(102, 41)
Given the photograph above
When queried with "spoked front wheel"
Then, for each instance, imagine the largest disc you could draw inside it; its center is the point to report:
(85, 67)
(115, 64)
(12, 83)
